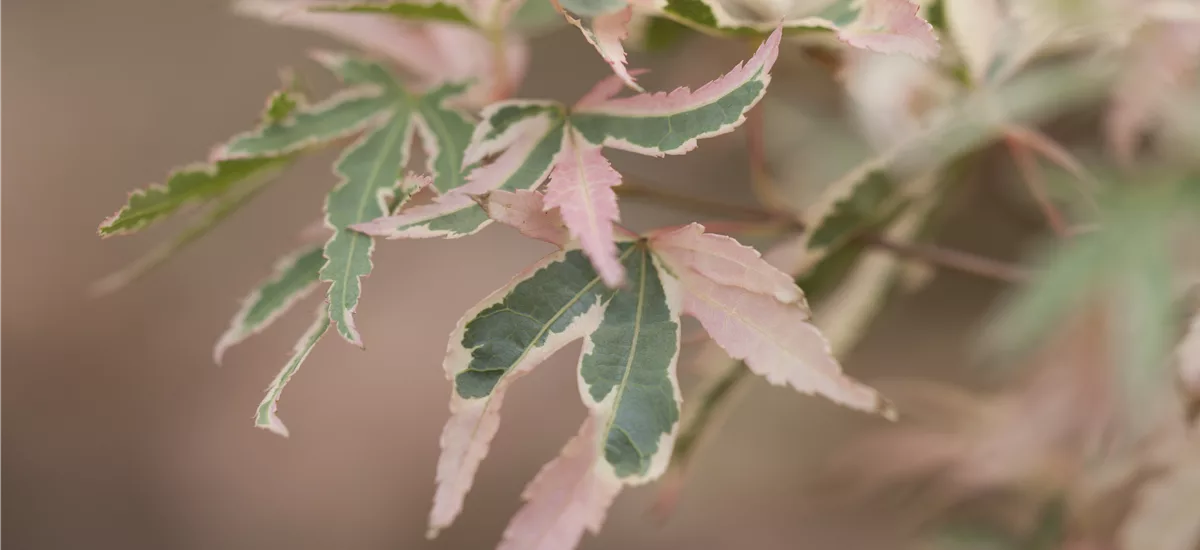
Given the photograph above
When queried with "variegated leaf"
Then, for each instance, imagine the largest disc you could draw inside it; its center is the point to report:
(435, 53)
(528, 136)
(605, 34)
(294, 277)
(531, 140)
(776, 340)
(891, 27)
(570, 494)
(369, 170)
(443, 12)
(724, 260)
(594, 8)
(266, 416)
(670, 123)
(389, 115)
(886, 26)
(186, 186)
(581, 188)
(526, 211)
(855, 203)
(224, 186)
(557, 300)
(627, 371)
(975, 26)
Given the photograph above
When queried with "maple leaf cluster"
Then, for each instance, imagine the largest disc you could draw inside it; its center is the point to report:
(441, 75)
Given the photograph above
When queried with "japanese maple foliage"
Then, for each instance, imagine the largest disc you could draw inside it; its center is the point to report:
(440, 76)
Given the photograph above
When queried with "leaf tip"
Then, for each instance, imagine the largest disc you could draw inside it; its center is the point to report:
(887, 409)
(274, 425)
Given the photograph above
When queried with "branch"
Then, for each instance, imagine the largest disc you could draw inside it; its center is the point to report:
(637, 190)
(786, 223)
(951, 259)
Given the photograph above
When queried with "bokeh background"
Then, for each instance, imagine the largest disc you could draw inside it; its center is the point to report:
(120, 432)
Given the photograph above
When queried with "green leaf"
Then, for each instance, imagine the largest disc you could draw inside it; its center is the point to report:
(700, 14)
(445, 135)
(337, 117)
(710, 17)
(185, 186)
(629, 371)
(294, 277)
(869, 201)
(369, 170)
(536, 17)
(662, 34)
(549, 302)
(378, 105)
(440, 12)
(592, 8)
(222, 207)
(524, 166)
(282, 103)
(373, 93)
(671, 131)
(266, 417)
(671, 123)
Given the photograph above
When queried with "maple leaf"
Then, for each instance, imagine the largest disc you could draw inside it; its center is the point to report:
(295, 276)
(569, 494)
(387, 115)
(606, 33)
(222, 186)
(266, 417)
(885, 26)
(759, 317)
(526, 211)
(539, 139)
(437, 43)
(627, 368)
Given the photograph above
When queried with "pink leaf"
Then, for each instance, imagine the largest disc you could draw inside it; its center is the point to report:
(1158, 68)
(776, 340)
(606, 35)
(609, 86)
(581, 187)
(571, 493)
(891, 26)
(682, 99)
(526, 211)
(724, 260)
(474, 422)
(436, 53)
(409, 223)
(518, 142)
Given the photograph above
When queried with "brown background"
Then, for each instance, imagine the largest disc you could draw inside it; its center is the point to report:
(119, 432)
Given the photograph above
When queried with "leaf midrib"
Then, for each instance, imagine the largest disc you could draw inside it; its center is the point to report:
(637, 328)
(443, 137)
(633, 346)
(533, 343)
(395, 130)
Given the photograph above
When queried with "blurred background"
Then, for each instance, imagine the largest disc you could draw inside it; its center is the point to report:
(120, 432)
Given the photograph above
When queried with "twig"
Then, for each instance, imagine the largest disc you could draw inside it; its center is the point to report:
(636, 190)
(951, 259)
(1027, 165)
(934, 255)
